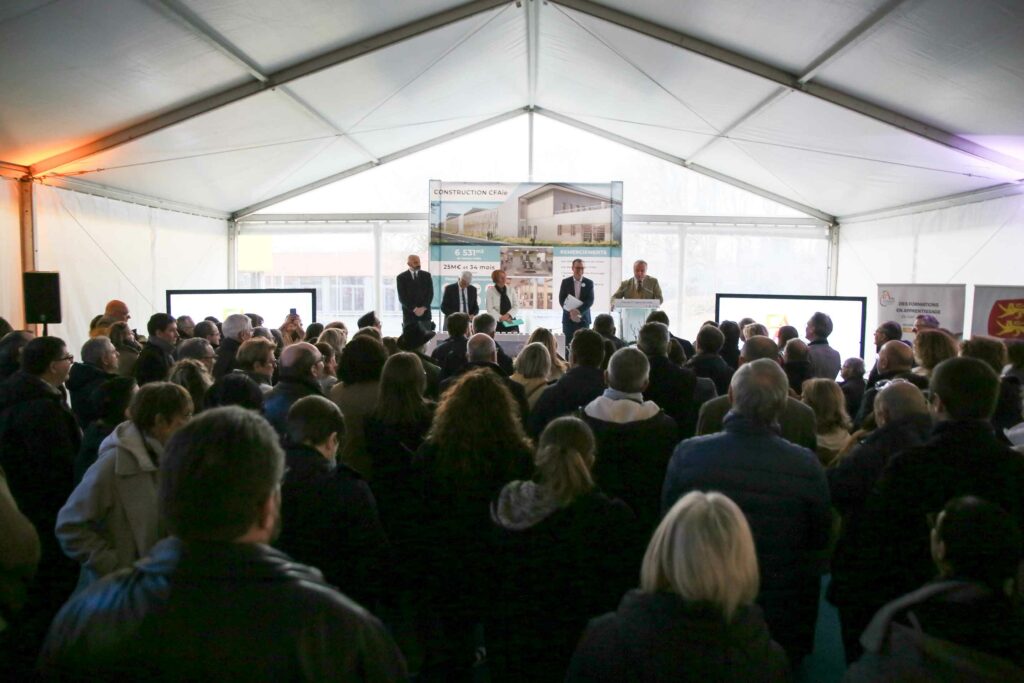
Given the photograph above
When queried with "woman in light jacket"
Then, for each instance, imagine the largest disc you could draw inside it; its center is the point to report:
(502, 301)
(111, 518)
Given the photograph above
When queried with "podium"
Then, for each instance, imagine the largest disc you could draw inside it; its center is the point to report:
(632, 315)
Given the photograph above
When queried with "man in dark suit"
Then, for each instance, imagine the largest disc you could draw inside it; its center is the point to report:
(415, 293)
(672, 387)
(583, 289)
(460, 297)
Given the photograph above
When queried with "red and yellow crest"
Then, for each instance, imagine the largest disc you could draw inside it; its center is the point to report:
(1006, 319)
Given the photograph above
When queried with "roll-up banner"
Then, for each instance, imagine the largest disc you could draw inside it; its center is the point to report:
(904, 302)
(998, 312)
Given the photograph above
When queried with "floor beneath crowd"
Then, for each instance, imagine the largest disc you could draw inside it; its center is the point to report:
(827, 664)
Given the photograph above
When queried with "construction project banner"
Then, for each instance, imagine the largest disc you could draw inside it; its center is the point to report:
(998, 312)
(533, 232)
(904, 302)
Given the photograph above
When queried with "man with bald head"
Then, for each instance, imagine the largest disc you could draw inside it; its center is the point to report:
(300, 368)
(482, 352)
(895, 361)
(797, 422)
(415, 293)
(904, 421)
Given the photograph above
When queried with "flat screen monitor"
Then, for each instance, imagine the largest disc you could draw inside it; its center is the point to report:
(273, 304)
(776, 310)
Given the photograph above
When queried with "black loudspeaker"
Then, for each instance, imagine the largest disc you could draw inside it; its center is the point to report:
(42, 297)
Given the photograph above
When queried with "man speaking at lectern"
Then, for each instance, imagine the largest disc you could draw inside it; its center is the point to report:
(640, 286)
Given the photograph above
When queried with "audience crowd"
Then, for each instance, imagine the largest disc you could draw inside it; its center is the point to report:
(229, 500)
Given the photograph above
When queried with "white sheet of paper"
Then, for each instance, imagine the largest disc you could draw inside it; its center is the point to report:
(572, 303)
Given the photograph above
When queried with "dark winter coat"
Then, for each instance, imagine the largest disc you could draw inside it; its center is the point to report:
(674, 390)
(283, 396)
(155, 362)
(82, 381)
(573, 391)
(661, 638)
(712, 366)
(781, 489)
(558, 567)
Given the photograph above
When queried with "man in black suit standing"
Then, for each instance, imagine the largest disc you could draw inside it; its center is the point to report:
(460, 297)
(583, 289)
(415, 293)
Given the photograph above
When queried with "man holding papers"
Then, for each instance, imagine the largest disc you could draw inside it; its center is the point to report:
(575, 296)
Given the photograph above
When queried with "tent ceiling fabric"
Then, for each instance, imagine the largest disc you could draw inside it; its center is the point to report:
(953, 65)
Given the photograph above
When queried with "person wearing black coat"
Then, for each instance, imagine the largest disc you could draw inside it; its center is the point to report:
(157, 355)
(707, 362)
(460, 297)
(905, 422)
(329, 518)
(415, 293)
(672, 387)
(565, 553)
(962, 457)
(300, 368)
(635, 437)
(693, 617)
(99, 364)
(581, 384)
(39, 438)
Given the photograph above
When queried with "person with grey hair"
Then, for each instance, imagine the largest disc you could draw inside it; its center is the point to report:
(488, 324)
(672, 387)
(482, 352)
(237, 328)
(904, 421)
(186, 327)
(634, 436)
(99, 363)
(797, 421)
(640, 286)
(824, 358)
(198, 349)
(460, 297)
(781, 489)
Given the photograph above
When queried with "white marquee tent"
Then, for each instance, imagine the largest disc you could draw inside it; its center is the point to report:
(789, 146)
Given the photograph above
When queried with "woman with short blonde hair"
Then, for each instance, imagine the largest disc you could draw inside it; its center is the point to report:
(694, 616)
(532, 369)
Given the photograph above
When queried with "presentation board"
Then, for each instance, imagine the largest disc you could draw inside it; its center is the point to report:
(776, 310)
(273, 304)
(532, 231)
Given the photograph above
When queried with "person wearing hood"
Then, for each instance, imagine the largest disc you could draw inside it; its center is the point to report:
(693, 617)
(110, 520)
(963, 625)
(635, 437)
(565, 552)
(99, 363)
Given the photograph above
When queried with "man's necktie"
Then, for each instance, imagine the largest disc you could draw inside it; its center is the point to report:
(465, 306)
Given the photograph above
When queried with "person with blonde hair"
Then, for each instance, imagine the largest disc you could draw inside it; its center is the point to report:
(561, 542)
(533, 366)
(194, 377)
(832, 423)
(502, 302)
(544, 336)
(693, 616)
(336, 337)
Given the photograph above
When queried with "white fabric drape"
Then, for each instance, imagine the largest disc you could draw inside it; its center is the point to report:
(976, 244)
(10, 254)
(106, 249)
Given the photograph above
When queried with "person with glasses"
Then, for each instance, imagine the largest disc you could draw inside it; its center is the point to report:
(110, 520)
(39, 438)
(99, 363)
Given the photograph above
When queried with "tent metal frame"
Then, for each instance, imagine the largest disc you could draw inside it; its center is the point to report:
(789, 82)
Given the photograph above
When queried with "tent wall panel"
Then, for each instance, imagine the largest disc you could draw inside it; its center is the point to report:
(106, 249)
(976, 244)
(10, 254)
